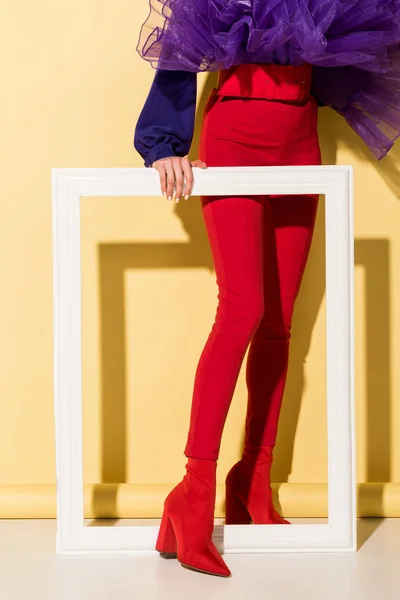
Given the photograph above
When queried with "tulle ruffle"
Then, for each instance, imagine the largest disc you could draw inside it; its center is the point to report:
(369, 101)
(359, 40)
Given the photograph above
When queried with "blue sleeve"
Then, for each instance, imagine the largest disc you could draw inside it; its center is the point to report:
(166, 124)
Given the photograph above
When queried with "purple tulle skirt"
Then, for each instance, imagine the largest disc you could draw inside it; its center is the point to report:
(354, 46)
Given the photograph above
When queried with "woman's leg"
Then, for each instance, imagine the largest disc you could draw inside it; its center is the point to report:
(286, 249)
(235, 230)
(242, 236)
(288, 228)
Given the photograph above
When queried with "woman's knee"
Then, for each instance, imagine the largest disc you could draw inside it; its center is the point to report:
(245, 313)
(255, 312)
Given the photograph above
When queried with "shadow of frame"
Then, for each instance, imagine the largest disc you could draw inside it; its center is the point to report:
(114, 260)
(373, 256)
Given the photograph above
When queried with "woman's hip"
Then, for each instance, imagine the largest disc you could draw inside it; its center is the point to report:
(247, 132)
(250, 130)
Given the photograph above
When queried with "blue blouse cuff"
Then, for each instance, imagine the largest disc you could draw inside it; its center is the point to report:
(159, 151)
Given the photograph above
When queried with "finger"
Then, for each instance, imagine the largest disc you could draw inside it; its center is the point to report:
(170, 179)
(163, 178)
(188, 174)
(177, 165)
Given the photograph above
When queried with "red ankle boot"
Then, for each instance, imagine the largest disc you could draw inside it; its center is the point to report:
(248, 490)
(188, 521)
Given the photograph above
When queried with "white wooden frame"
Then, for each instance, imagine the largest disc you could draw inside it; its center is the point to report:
(336, 183)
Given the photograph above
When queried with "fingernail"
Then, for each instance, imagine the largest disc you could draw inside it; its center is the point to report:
(164, 193)
(177, 200)
(169, 198)
(187, 197)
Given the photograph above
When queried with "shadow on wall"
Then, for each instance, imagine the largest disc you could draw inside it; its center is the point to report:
(373, 255)
(114, 261)
(334, 131)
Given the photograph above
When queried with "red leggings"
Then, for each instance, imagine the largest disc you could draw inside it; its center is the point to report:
(260, 246)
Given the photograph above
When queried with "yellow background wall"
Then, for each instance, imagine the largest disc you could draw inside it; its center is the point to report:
(73, 87)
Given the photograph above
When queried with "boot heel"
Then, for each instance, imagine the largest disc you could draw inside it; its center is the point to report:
(166, 540)
(235, 511)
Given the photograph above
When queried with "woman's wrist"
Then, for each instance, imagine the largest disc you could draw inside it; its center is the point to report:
(157, 152)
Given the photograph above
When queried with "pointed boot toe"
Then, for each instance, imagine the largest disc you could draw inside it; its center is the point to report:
(188, 521)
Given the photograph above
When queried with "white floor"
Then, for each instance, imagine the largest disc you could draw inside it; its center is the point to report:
(29, 570)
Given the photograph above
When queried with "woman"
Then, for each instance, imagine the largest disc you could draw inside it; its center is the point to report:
(277, 60)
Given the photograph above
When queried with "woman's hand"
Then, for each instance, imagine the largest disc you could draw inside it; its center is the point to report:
(176, 176)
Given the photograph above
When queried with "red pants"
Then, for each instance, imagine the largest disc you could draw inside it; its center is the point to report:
(260, 246)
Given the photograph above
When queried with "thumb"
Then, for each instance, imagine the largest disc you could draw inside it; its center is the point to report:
(199, 163)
